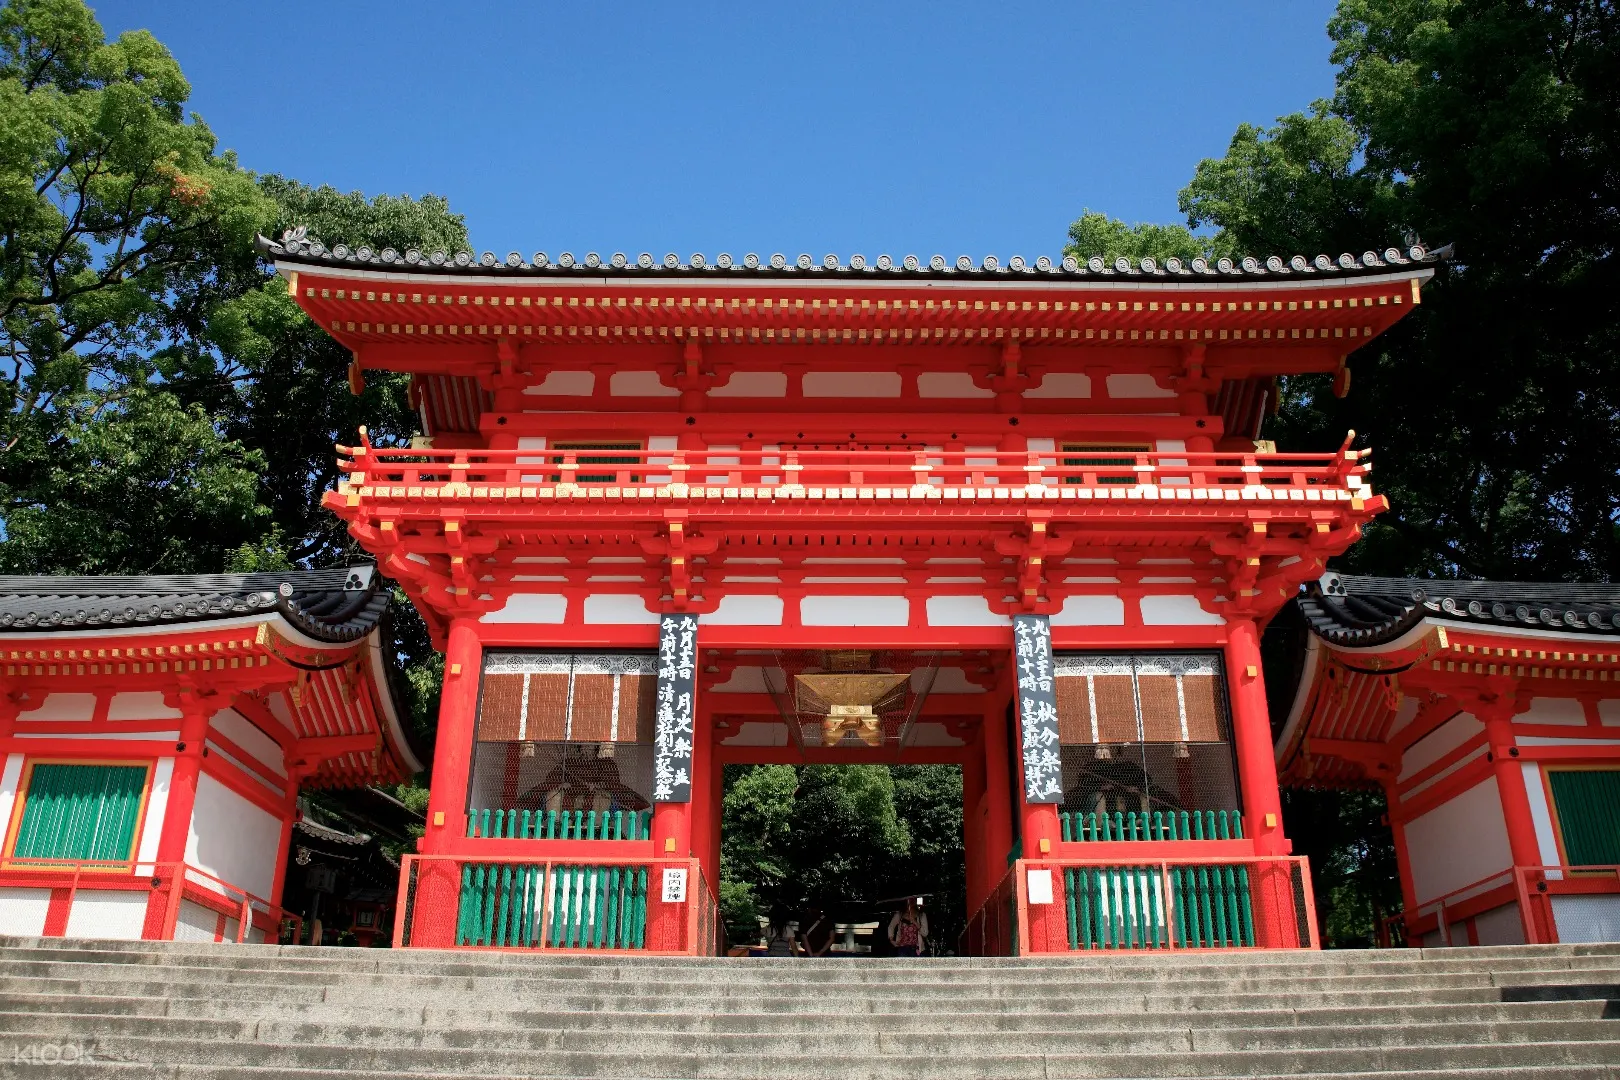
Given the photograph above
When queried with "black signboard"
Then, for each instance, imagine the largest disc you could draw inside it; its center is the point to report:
(677, 685)
(1037, 709)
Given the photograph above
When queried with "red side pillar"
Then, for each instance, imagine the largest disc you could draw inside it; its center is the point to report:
(188, 754)
(998, 820)
(1047, 929)
(973, 833)
(1521, 829)
(1276, 921)
(438, 883)
(1403, 858)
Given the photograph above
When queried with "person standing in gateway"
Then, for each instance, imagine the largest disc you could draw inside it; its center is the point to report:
(908, 929)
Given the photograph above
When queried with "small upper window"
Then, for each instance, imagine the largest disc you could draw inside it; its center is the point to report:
(599, 453)
(1092, 457)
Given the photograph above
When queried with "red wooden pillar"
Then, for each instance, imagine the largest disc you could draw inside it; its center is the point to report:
(438, 885)
(1509, 771)
(973, 821)
(1276, 918)
(1403, 858)
(176, 833)
(704, 822)
(998, 819)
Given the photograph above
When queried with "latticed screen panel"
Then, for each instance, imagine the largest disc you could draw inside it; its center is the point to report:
(564, 733)
(1144, 733)
(600, 778)
(1588, 806)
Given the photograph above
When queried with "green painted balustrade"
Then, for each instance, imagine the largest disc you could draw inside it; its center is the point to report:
(1125, 907)
(559, 824)
(580, 907)
(522, 905)
(1155, 825)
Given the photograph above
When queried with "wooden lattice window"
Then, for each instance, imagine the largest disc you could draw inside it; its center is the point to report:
(1091, 457)
(80, 813)
(1588, 806)
(601, 454)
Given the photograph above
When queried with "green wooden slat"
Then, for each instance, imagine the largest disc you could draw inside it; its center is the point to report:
(1587, 802)
(81, 812)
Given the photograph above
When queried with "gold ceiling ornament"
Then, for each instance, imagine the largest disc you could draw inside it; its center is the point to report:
(849, 702)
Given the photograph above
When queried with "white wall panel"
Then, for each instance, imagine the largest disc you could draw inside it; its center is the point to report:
(529, 608)
(854, 611)
(233, 839)
(117, 914)
(1459, 842)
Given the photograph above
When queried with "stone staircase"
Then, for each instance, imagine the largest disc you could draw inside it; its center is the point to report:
(220, 1011)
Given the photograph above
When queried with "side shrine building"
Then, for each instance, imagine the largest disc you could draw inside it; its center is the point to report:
(669, 515)
(157, 731)
(1489, 715)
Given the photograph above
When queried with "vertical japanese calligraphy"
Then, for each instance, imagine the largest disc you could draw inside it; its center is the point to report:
(1037, 709)
(672, 732)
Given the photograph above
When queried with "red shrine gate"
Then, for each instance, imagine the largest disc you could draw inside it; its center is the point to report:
(832, 489)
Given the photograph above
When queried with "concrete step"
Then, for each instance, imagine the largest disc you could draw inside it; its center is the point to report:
(155, 1009)
(1101, 1037)
(961, 1063)
(416, 1015)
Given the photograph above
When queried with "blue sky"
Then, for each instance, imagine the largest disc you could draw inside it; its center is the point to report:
(706, 127)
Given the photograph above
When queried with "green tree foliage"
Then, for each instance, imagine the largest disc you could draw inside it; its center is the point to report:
(1491, 125)
(841, 838)
(1098, 234)
(169, 409)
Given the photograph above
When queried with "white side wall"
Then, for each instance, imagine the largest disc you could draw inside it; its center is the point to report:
(118, 914)
(22, 911)
(233, 839)
(1458, 842)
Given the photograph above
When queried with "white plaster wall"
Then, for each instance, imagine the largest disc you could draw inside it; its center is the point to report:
(232, 838)
(1062, 384)
(1541, 815)
(157, 810)
(145, 705)
(565, 384)
(529, 608)
(1458, 842)
(1609, 712)
(22, 911)
(753, 384)
(1135, 384)
(62, 707)
(618, 609)
(854, 611)
(1405, 714)
(1499, 926)
(855, 384)
(194, 922)
(241, 731)
(117, 914)
(10, 777)
(1586, 918)
(949, 384)
(1176, 609)
(639, 384)
(745, 609)
(1553, 710)
(1090, 611)
(1438, 743)
(963, 611)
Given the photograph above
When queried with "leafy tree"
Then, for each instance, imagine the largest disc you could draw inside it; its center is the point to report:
(1491, 125)
(846, 834)
(928, 798)
(169, 409)
(1098, 234)
(110, 197)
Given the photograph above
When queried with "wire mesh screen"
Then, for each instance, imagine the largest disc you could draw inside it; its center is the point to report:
(602, 778)
(1144, 733)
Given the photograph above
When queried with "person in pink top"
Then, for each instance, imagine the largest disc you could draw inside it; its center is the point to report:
(908, 929)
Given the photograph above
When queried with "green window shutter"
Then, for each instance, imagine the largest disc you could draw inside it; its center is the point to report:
(86, 813)
(1588, 803)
